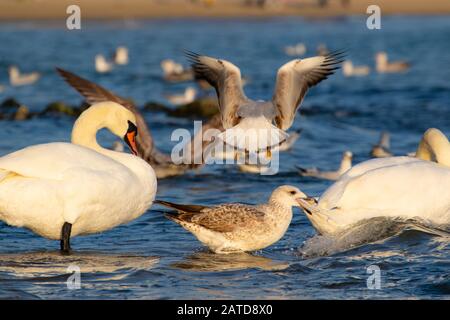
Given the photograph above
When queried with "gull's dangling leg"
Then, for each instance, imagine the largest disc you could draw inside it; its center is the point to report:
(65, 237)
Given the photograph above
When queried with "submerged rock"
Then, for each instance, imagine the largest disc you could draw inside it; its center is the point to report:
(60, 108)
(9, 103)
(203, 108)
(11, 109)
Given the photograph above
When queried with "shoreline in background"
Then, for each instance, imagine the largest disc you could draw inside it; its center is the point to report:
(148, 9)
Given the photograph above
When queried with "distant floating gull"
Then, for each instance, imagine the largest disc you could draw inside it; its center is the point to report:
(18, 79)
(187, 97)
(248, 123)
(121, 56)
(236, 227)
(381, 150)
(175, 72)
(102, 65)
(297, 50)
(346, 164)
(350, 70)
(384, 66)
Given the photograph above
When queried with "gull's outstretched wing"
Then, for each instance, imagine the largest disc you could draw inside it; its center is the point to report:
(94, 93)
(225, 77)
(295, 78)
(221, 218)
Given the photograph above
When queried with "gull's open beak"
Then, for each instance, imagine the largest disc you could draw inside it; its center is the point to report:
(130, 137)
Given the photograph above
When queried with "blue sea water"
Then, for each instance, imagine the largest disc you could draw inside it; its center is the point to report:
(151, 257)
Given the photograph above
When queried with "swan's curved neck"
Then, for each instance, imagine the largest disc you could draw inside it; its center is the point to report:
(84, 132)
(434, 146)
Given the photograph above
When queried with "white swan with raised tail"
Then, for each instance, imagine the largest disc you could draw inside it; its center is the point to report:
(59, 190)
(402, 187)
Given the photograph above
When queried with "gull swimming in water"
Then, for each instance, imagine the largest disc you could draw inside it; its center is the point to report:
(346, 164)
(236, 227)
(384, 66)
(381, 150)
(121, 56)
(398, 187)
(350, 70)
(260, 125)
(16, 78)
(102, 65)
(175, 72)
(297, 50)
(187, 97)
(162, 163)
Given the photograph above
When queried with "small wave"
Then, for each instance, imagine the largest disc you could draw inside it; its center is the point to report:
(364, 232)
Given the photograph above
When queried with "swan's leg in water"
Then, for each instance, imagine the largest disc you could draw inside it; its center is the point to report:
(65, 237)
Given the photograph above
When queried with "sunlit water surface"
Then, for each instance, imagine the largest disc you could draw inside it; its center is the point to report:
(152, 257)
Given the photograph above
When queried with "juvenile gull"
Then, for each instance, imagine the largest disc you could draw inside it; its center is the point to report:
(236, 227)
(260, 125)
(346, 164)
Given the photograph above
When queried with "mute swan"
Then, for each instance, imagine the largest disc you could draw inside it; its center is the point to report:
(384, 66)
(350, 70)
(249, 124)
(18, 79)
(161, 162)
(381, 150)
(101, 65)
(400, 187)
(346, 164)
(59, 190)
(187, 97)
(121, 56)
(234, 227)
(434, 146)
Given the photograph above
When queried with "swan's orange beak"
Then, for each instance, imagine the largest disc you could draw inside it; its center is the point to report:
(130, 137)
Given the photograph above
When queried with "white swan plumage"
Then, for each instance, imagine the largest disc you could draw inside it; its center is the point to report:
(92, 189)
(403, 187)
